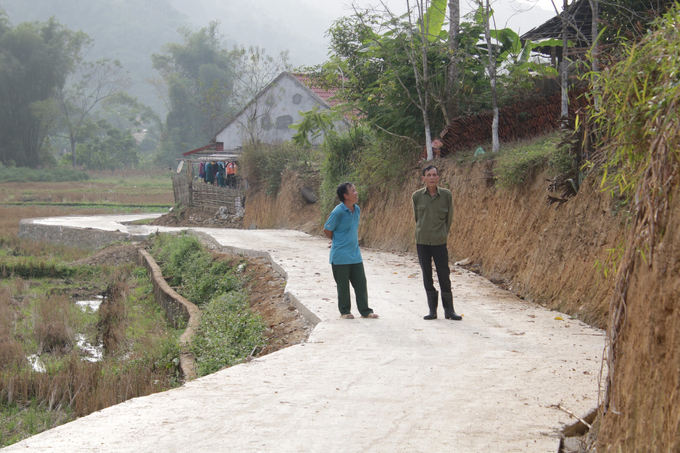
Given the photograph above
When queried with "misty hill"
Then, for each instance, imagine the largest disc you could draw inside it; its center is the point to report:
(132, 30)
(127, 30)
(274, 25)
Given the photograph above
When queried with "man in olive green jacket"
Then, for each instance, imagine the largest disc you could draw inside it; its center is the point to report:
(433, 210)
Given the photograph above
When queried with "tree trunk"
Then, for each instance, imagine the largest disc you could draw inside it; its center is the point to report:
(424, 82)
(564, 69)
(595, 65)
(73, 152)
(492, 76)
(452, 104)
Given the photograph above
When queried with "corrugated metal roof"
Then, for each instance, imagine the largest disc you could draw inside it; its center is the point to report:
(579, 30)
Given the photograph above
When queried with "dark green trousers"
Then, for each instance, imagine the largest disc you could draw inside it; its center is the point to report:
(344, 274)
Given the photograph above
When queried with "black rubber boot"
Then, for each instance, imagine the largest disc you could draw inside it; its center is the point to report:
(449, 312)
(432, 301)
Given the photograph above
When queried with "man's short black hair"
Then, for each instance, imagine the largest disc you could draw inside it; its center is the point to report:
(343, 189)
(428, 168)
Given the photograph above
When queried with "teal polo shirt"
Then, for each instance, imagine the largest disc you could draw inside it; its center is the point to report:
(345, 227)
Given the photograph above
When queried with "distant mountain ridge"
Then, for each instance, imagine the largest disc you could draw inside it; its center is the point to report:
(132, 30)
(125, 30)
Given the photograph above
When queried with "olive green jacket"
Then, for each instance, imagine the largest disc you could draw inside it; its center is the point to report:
(433, 216)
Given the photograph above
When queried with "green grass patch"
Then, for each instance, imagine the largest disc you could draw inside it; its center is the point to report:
(516, 163)
(18, 422)
(228, 331)
(34, 268)
(190, 268)
(25, 174)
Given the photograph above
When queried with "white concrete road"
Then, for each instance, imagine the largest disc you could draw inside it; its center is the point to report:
(489, 383)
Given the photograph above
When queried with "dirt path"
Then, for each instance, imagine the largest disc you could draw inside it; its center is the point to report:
(399, 383)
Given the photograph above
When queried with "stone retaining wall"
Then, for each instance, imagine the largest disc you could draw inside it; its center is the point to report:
(86, 238)
(178, 310)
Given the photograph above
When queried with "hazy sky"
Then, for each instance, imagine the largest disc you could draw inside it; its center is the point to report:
(535, 11)
(300, 25)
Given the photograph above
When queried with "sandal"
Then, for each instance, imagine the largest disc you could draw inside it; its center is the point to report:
(371, 315)
(347, 316)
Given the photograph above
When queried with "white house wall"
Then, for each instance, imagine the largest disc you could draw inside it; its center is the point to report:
(267, 118)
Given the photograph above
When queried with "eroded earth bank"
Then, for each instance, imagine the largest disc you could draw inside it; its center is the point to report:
(561, 255)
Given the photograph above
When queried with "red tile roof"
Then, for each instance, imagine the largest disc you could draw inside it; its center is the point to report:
(327, 95)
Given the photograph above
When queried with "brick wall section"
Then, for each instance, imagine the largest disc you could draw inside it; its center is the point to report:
(518, 121)
(177, 308)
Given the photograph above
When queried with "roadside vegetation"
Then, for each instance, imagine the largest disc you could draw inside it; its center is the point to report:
(359, 156)
(229, 331)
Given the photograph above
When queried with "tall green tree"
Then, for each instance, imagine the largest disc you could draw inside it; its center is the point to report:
(108, 149)
(88, 85)
(125, 30)
(35, 60)
(198, 75)
(393, 69)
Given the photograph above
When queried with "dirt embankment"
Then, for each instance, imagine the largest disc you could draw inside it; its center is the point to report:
(543, 252)
(288, 209)
(645, 402)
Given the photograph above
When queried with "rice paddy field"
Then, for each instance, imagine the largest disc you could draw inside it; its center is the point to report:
(103, 193)
(76, 335)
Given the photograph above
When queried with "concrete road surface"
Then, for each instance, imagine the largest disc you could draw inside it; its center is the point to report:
(489, 383)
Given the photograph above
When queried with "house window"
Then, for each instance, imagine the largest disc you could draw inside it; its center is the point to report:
(297, 99)
(282, 122)
(266, 122)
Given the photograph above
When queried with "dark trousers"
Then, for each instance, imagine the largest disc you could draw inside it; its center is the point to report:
(344, 274)
(440, 255)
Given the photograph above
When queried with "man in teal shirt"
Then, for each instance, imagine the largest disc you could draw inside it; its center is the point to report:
(342, 229)
(433, 210)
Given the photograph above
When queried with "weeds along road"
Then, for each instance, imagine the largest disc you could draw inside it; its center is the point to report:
(396, 384)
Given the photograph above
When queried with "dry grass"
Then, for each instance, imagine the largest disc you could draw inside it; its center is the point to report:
(82, 386)
(87, 192)
(53, 324)
(11, 351)
(113, 316)
(71, 383)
